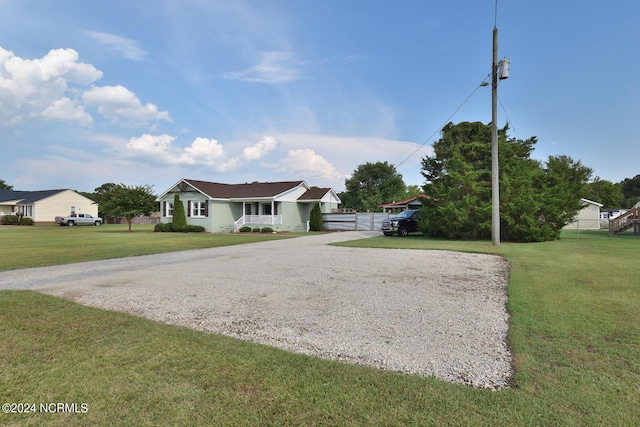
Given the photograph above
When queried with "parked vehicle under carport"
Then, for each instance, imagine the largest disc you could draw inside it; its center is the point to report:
(402, 224)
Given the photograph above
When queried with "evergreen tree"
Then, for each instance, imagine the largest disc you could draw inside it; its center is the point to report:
(315, 218)
(536, 200)
(179, 221)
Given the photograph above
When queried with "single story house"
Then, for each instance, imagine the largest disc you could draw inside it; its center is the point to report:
(43, 206)
(223, 208)
(588, 217)
(403, 205)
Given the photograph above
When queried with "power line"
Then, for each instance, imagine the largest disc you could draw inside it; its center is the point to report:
(508, 119)
(484, 83)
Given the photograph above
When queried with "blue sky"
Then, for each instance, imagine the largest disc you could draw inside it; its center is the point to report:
(152, 91)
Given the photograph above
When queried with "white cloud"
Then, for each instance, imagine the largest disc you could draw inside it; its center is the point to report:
(155, 146)
(203, 151)
(273, 67)
(31, 88)
(53, 87)
(160, 149)
(58, 66)
(66, 109)
(126, 47)
(346, 153)
(310, 164)
(120, 105)
(259, 149)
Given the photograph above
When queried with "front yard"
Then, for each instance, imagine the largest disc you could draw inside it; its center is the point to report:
(24, 247)
(575, 335)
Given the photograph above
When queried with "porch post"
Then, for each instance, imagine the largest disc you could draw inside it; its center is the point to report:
(272, 217)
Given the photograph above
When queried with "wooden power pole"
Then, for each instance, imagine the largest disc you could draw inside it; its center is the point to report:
(495, 181)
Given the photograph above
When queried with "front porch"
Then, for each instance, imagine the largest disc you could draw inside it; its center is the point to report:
(257, 221)
(258, 213)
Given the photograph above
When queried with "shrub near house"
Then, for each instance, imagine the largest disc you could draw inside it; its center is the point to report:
(15, 220)
(315, 220)
(167, 227)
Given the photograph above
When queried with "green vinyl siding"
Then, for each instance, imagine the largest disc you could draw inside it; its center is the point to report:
(292, 216)
(222, 215)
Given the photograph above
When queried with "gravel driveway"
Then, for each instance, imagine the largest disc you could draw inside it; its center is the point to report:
(431, 313)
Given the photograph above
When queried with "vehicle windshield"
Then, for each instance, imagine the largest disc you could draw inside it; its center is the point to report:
(405, 214)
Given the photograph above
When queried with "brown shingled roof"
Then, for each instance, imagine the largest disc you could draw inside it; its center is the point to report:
(229, 191)
(314, 194)
(403, 202)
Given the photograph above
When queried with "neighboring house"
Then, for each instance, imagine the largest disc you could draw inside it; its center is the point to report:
(43, 206)
(222, 208)
(412, 203)
(588, 218)
(607, 214)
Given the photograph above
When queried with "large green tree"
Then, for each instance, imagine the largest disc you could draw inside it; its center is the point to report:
(605, 192)
(536, 199)
(5, 186)
(631, 191)
(372, 184)
(99, 194)
(128, 201)
(561, 189)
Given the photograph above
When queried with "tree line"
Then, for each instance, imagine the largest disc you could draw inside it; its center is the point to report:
(537, 198)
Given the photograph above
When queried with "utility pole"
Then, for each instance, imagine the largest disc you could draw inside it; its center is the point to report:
(495, 181)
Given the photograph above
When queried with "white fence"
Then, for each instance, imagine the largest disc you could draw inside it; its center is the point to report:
(353, 221)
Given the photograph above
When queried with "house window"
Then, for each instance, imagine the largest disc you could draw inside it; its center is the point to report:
(168, 209)
(266, 209)
(25, 210)
(198, 209)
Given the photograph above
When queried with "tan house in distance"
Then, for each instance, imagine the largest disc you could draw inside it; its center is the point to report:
(43, 206)
(588, 218)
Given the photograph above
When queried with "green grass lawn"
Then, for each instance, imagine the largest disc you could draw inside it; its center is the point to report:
(575, 333)
(22, 247)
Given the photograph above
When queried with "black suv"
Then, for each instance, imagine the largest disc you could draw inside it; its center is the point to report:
(404, 223)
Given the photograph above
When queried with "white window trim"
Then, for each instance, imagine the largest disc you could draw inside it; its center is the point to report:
(198, 206)
(169, 210)
(24, 210)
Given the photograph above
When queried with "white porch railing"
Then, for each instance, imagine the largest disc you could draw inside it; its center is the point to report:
(257, 219)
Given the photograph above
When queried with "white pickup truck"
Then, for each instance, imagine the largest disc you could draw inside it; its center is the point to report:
(78, 219)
